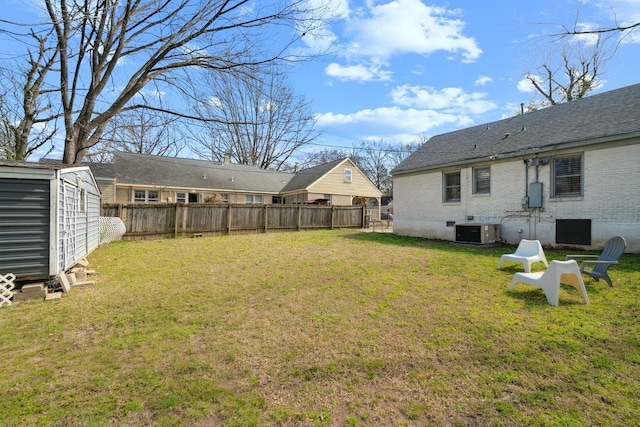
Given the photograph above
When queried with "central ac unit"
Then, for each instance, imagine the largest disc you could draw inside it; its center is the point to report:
(477, 233)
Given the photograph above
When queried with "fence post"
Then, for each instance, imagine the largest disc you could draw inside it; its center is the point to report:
(299, 217)
(266, 217)
(333, 212)
(229, 219)
(176, 217)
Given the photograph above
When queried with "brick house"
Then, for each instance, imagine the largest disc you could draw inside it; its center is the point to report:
(567, 175)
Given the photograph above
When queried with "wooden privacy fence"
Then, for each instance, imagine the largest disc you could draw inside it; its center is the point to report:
(177, 219)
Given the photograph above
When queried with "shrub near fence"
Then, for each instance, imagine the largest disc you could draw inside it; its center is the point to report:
(176, 219)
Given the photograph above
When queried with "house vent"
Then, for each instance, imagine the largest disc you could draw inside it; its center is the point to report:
(573, 231)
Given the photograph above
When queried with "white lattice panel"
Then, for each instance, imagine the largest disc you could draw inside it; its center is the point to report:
(111, 228)
(6, 288)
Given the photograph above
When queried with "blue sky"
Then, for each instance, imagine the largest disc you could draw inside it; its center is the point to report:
(404, 68)
(399, 69)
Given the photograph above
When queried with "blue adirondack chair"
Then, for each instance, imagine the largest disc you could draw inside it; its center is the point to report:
(612, 251)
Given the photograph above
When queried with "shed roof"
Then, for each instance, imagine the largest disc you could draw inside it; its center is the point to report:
(598, 118)
(55, 165)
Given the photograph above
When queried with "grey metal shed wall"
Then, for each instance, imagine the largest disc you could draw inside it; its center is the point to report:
(24, 227)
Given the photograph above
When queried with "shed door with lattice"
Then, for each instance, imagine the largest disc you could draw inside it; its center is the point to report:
(68, 201)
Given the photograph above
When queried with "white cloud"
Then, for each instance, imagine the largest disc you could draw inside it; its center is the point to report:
(408, 26)
(391, 122)
(321, 39)
(417, 110)
(450, 99)
(525, 85)
(357, 72)
(483, 80)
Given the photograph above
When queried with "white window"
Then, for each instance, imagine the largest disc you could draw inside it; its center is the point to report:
(347, 175)
(224, 197)
(253, 199)
(82, 205)
(146, 196)
(451, 184)
(140, 196)
(181, 197)
(566, 174)
(481, 180)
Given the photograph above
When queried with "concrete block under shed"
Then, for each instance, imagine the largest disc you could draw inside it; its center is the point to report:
(23, 296)
(53, 295)
(76, 282)
(33, 287)
(83, 262)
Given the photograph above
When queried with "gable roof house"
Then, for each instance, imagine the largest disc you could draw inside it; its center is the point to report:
(137, 178)
(567, 175)
(340, 182)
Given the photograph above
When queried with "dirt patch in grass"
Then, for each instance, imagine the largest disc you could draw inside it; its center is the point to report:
(321, 328)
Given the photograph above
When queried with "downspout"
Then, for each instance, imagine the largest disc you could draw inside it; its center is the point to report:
(526, 179)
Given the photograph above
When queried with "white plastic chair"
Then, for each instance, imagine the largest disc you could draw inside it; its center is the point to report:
(566, 272)
(527, 253)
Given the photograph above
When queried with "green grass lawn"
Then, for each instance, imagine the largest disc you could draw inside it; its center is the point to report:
(320, 328)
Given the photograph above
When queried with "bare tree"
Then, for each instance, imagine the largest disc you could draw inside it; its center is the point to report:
(576, 29)
(375, 159)
(25, 103)
(400, 152)
(140, 131)
(571, 73)
(257, 120)
(110, 52)
(325, 155)
(374, 162)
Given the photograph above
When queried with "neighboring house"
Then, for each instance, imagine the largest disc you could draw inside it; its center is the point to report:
(340, 182)
(49, 218)
(137, 178)
(567, 175)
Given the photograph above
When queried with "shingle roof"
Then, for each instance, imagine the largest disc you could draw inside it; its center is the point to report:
(607, 116)
(55, 165)
(306, 177)
(141, 169)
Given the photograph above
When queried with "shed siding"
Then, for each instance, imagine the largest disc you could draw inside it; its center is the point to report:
(24, 227)
(93, 222)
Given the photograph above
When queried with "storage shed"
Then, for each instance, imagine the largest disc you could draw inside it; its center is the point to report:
(49, 218)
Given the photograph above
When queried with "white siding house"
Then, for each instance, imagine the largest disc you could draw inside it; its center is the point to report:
(567, 175)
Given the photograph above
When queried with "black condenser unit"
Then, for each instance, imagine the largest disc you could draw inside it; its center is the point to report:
(477, 233)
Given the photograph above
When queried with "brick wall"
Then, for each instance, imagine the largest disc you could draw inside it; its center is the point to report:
(611, 199)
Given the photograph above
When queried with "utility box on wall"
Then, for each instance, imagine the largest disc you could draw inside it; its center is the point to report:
(477, 233)
(535, 195)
